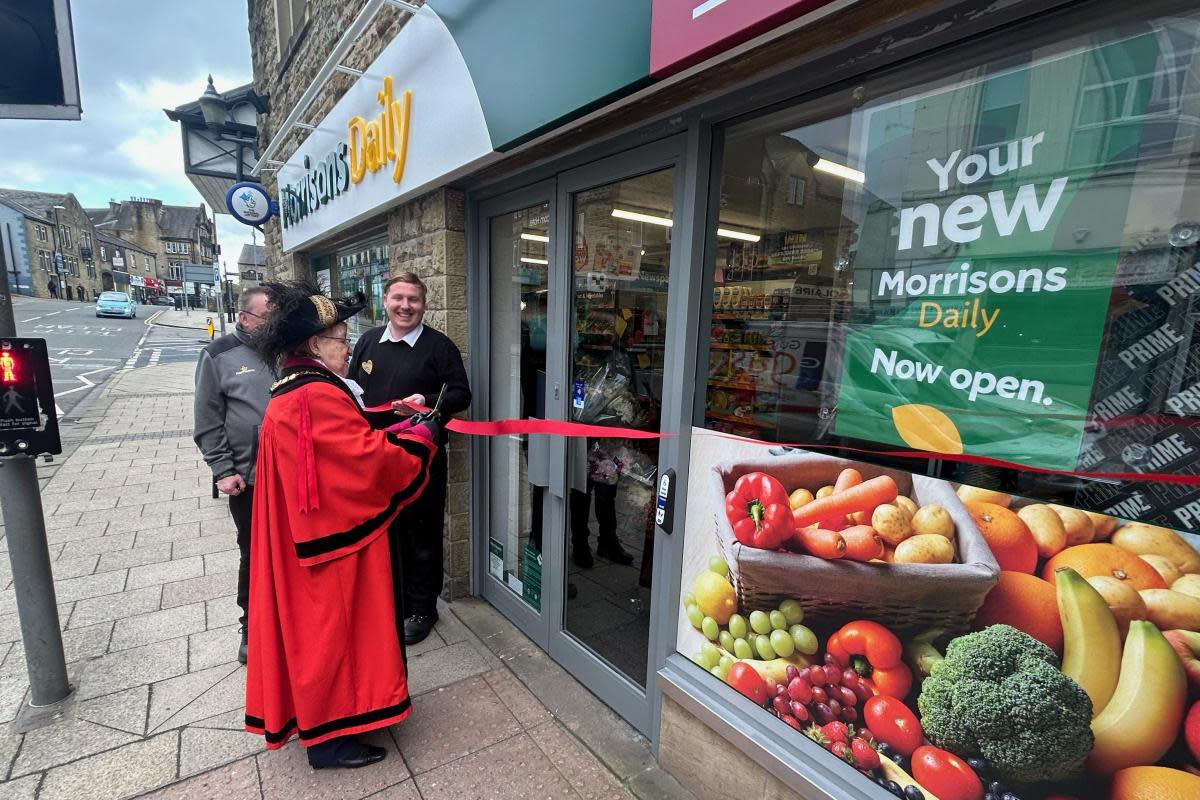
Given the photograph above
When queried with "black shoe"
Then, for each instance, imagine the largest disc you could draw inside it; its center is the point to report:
(417, 627)
(242, 647)
(346, 752)
(581, 554)
(613, 551)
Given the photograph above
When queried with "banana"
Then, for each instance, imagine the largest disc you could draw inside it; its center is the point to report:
(1091, 639)
(1141, 721)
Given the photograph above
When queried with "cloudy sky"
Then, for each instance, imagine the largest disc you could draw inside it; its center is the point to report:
(136, 57)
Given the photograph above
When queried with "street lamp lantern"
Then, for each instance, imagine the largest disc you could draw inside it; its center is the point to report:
(213, 107)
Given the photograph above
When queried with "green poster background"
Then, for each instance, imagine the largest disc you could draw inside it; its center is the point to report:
(1090, 134)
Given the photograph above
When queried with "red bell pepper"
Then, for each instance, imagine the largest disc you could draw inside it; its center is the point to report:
(759, 512)
(875, 653)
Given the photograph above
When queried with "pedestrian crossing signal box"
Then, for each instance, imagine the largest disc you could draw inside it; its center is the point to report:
(28, 416)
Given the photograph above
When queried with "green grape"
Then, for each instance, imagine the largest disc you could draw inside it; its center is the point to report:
(689, 599)
(762, 644)
(718, 565)
(710, 628)
(781, 642)
(712, 655)
(792, 611)
(804, 639)
(721, 671)
(738, 626)
(704, 660)
(699, 659)
(727, 661)
(742, 649)
(760, 622)
(778, 621)
(726, 638)
(695, 616)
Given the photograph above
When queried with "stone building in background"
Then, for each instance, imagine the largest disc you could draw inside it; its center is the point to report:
(173, 235)
(56, 248)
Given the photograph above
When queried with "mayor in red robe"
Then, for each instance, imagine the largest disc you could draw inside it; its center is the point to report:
(326, 656)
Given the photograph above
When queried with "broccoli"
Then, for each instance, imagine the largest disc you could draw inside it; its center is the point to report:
(999, 694)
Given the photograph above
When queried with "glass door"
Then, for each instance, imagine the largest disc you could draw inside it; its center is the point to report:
(518, 247)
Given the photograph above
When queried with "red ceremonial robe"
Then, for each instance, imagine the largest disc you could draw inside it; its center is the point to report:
(325, 653)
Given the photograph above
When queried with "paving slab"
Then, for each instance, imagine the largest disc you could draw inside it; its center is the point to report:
(110, 607)
(223, 611)
(285, 773)
(128, 668)
(589, 780)
(104, 583)
(519, 701)
(98, 544)
(194, 590)
(202, 749)
(135, 557)
(236, 781)
(444, 666)
(205, 544)
(527, 773)
(225, 561)
(124, 711)
(166, 572)
(172, 695)
(210, 648)
(21, 788)
(66, 741)
(449, 723)
(157, 626)
(125, 772)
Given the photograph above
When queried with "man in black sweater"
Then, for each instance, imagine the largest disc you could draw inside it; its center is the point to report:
(407, 360)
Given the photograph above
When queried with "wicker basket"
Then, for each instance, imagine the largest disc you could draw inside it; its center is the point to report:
(905, 597)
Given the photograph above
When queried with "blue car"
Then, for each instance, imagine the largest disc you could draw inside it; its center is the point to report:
(115, 304)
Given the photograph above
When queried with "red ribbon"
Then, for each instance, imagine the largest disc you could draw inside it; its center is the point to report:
(507, 427)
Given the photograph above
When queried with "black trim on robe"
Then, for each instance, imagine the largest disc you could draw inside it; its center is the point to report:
(331, 726)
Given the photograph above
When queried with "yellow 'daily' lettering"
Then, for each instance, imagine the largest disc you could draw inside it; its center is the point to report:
(384, 140)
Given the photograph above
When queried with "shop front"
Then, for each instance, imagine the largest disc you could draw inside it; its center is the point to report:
(883, 319)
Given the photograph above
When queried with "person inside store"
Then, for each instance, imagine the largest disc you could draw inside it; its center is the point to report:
(232, 388)
(406, 362)
(327, 659)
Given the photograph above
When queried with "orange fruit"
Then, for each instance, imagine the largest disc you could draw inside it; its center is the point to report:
(1025, 602)
(1154, 783)
(1099, 558)
(1007, 535)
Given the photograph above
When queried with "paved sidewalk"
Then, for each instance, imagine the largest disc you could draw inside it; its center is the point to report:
(195, 318)
(145, 566)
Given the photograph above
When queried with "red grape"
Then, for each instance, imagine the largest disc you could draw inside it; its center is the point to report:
(780, 704)
(849, 715)
(832, 677)
(792, 673)
(816, 676)
(780, 689)
(800, 689)
(862, 691)
(797, 709)
(790, 720)
(805, 673)
(835, 706)
(822, 713)
(801, 713)
(819, 695)
(830, 660)
(849, 676)
(848, 697)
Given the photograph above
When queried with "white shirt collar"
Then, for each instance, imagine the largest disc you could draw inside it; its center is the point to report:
(409, 338)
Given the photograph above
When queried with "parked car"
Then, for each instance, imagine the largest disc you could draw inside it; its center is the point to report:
(115, 304)
(162, 300)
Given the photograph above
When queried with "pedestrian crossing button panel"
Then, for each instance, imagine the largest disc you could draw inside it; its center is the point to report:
(28, 419)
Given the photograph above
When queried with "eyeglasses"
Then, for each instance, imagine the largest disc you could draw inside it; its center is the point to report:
(252, 314)
(343, 339)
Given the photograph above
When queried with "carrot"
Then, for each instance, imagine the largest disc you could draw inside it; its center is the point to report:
(862, 543)
(848, 478)
(821, 543)
(863, 497)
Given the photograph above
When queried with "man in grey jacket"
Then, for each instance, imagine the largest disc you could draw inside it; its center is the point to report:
(232, 388)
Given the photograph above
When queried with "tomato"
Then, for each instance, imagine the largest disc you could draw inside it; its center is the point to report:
(746, 680)
(893, 722)
(945, 774)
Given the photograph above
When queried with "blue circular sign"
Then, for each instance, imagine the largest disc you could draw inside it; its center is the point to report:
(249, 203)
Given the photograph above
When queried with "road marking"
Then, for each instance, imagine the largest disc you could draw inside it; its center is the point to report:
(31, 319)
(87, 384)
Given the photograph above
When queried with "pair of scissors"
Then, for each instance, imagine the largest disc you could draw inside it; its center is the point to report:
(434, 413)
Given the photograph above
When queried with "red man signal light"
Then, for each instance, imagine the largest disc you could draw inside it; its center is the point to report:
(8, 368)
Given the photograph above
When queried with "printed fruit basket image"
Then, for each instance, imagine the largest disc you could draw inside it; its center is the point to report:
(1049, 652)
(846, 540)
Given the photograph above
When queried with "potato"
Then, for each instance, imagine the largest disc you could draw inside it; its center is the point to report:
(1047, 528)
(933, 519)
(800, 497)
(907, 504)
(1079, 526)
(1188, 584)
(1170, 609)
(1122, 599)
(824, 491)
(977, 495)
(1104, 525)
(1163, 566)
(1142, 539)
(925, 548)
(892, 523)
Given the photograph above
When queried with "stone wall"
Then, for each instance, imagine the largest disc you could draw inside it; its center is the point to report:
(426, 235)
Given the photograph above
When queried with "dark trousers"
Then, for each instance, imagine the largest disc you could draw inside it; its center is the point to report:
(418, 530)
(241, 508)
(606, 512)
